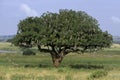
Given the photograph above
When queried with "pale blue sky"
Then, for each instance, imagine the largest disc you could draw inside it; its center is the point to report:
(107, 12)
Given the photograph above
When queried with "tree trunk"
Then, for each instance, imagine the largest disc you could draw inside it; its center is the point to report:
(57, 56)
(56, 60)
(39, 47)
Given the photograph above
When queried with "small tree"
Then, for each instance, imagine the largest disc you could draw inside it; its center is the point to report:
(63, 32)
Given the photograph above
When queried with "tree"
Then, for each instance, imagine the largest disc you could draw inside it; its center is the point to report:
(63, 32)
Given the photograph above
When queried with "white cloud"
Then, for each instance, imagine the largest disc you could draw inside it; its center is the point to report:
(28, 10)
(115, 19)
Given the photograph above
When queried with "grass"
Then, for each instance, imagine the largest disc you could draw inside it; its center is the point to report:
(14, 73)
(16, 66)
(21, 73)
(8, 46)
(74, 67)
(68, 61)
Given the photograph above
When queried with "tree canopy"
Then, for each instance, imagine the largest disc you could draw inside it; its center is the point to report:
(63, 32)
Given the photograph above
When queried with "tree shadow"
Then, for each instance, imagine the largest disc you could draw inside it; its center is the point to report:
(86, 66)
(39, 66)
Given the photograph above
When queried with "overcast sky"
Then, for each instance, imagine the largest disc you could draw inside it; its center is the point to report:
(107, 12)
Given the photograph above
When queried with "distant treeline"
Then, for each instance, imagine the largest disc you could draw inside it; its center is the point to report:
(6, 38)
(116, 39)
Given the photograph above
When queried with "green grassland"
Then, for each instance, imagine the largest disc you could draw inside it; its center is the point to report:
(8, 46)
(102, 65)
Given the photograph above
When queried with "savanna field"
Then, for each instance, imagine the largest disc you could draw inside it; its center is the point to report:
(102, 65)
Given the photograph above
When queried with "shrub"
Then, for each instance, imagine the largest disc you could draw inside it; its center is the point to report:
(28, 52)
(98, 74)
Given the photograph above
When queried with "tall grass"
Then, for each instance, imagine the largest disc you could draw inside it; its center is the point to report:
(21, 73)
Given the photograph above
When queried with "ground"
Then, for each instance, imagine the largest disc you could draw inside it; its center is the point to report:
(15, 66)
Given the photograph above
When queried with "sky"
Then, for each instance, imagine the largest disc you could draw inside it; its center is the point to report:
(107, 12)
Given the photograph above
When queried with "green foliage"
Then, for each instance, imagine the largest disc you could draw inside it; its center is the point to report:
(98, 74)
(67, 29)
(28, 52)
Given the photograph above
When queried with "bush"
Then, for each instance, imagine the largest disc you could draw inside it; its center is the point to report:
(28, 52)
(98, 74)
